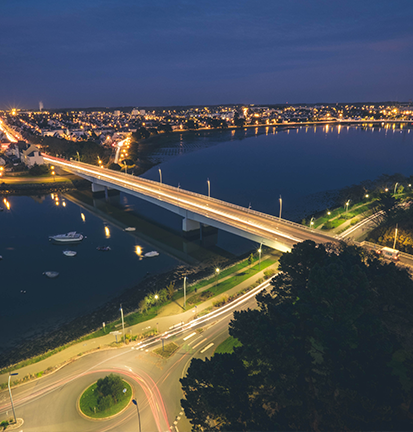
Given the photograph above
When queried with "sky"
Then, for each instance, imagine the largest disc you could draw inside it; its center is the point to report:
(108, 53)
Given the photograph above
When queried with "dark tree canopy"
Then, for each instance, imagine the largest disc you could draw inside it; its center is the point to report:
(329, 348)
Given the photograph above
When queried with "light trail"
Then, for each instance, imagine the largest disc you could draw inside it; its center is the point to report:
(160, 192)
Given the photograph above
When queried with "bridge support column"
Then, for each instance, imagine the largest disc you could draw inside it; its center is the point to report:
(189, 225)
(100, 191)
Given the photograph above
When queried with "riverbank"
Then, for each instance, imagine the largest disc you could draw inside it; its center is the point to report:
(41, 188)
(109, 312)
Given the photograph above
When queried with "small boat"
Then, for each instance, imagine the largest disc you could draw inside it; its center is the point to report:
(51, 274)
(130, 229)
(103, 248)
(151, 254)
(69, 253)
(71, 237)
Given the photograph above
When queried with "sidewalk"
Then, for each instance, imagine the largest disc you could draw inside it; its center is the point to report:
(171, 315)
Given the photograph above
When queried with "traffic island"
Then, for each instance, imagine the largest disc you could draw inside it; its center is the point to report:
(105, 398)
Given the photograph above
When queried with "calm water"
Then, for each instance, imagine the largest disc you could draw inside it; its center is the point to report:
(244, 167)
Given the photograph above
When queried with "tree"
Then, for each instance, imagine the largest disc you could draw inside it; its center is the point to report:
(38, 170)
(170, 289)
(141, 133)
(251, 259)
(321, 352)
(110, 391)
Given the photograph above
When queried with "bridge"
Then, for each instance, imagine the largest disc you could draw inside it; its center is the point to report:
(198, 210)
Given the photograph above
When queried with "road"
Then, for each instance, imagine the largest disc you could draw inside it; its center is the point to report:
(49, 404)
(245, 220)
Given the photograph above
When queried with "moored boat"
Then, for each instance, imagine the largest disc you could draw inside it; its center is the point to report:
(130, 229)
(51, 274)
(103, 248)
(69, 253)
(151, 254)
(70, 237)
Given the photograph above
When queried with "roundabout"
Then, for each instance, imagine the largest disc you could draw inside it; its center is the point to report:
(91, 403)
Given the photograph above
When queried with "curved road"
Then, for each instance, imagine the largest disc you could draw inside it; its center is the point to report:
(49, 404)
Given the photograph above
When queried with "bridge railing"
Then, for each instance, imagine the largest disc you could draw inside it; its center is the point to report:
(204, 197)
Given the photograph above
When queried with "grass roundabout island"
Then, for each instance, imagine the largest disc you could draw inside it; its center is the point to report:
(105, 398)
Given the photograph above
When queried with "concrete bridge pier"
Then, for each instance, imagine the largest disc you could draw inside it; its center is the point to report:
(100, 191)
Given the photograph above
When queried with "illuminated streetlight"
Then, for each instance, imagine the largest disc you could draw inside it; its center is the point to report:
(209, 188)
(367, 195)
(160, 175)
(217, 274)
(347, 204)
(312, 222)
(259, 252)
(395, 186)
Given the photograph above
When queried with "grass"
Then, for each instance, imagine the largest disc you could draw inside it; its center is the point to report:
(88, 402)
(223, 286)
(227, 347)
(167, 351)
(138, 317)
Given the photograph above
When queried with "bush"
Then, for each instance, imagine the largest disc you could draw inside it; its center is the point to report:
(269, 273)
(38, 170)
(220, 302)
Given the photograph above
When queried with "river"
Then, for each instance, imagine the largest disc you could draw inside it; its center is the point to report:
(251, 167)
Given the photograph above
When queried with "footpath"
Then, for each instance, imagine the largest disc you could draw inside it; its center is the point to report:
(168, 316)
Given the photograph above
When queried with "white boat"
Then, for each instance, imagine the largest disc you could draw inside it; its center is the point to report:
(51, 274)
(71, 237)
(130, 229)
(151, 254)
(69, 253)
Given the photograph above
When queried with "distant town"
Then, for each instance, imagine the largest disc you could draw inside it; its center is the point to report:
(22, 130)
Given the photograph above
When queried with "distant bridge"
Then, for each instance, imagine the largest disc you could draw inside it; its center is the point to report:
(198, 210)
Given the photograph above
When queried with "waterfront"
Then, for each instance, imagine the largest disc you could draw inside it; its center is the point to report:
(302, 165)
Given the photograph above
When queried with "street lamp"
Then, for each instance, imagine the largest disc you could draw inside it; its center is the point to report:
(126, 167)
(367, 195)
(135, 402)
(11, 398)
(217, 274)
(123, 324)
(209, 188)
(347, 204)
(78, 156)
(312, 222)
(184, 292)
(259, 252)
(395, 236)
(395, 186)
(281, 206)
(160, 175)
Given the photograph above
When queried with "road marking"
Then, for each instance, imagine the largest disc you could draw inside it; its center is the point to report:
(192, 341)
(207, 347)
(192, 334)
(199, 343)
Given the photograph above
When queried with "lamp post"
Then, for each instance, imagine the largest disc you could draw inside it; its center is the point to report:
(395, 236)
(78, 156)
(259, 253)
(160, 175)
(209, 188)
(123, 324)
(126, 167)
(281, 206)
(135, 402)
(217, 274)
(395, 186)
(184, 292)
(11, 398)
(347, 204)
(312, 222)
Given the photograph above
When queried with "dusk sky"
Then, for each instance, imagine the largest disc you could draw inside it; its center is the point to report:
(175, 52)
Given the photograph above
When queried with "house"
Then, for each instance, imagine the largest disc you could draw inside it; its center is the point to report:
(31, 155)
